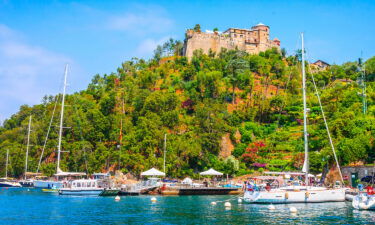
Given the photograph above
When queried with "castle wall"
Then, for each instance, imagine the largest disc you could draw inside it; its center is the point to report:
(252, 41)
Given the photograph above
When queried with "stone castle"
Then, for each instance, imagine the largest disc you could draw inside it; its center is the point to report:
(252, 40)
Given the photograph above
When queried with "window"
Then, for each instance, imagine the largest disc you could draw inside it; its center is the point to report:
(78, 184)
(89, 184)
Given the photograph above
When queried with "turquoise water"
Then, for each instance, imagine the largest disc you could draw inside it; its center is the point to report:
(20, 206)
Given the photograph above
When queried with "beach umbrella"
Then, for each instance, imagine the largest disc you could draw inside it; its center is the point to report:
(152, 172)
(211, 172)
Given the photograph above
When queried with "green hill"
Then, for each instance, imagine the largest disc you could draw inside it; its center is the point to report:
(120, 120)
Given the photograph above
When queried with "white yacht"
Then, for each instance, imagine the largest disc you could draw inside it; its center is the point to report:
(299, 193)
(7, 183)
(81, 187)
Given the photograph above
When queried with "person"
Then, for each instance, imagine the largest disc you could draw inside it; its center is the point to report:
(268, 187)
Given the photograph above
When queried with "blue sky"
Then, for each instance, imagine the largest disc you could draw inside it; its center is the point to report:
(38, 37)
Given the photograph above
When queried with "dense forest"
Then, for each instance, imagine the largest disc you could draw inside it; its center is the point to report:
(232, 111)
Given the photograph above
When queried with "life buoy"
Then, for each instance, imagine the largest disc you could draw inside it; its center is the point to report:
(286, 195)
(370, 190)
(250, 189)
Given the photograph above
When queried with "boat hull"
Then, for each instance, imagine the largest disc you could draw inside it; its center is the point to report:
(47, 184)
(9, 185)
(364, 202)
(95, 192)
(285, 197)
(27, 183)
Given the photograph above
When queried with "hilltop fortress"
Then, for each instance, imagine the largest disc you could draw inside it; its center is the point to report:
(252, 40)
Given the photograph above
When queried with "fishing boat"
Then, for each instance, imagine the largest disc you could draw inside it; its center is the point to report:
(8, 182)
(82, 187)
(60, 176)
(297, 192)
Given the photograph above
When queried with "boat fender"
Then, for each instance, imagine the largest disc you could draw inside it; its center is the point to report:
(370, 190)
(286, 195)
(307, 194)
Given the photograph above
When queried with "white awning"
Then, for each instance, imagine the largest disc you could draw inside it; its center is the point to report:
(61, 173)
(211, 172)
(152, 172)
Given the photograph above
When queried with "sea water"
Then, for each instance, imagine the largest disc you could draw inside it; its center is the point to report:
(31, 206)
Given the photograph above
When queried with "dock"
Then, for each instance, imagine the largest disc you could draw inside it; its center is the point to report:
(109, 192)
(200, 191)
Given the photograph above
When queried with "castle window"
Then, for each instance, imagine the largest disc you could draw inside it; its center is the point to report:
(241, 35)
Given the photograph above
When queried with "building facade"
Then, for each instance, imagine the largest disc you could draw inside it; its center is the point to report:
(252, 40)
(355, 173)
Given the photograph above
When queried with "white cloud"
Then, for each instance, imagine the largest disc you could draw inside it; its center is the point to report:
(27, 72)
(147, 46)
(142, 20)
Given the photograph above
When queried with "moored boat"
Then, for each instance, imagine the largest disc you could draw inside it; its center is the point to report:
(6, 182)
(364, 201)
(301, 193)
(82, 187)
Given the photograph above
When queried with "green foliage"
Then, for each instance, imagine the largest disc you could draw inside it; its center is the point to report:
(120, 120)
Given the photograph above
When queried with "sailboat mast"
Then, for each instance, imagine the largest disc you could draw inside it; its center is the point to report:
(61, 119)
(306, 163)
(6, 166)
(27, 147)
(165, 150)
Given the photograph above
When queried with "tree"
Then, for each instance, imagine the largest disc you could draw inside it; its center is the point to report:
(235, 69)
(197, 28)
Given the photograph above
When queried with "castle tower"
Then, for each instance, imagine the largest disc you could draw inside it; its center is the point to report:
(262, 36)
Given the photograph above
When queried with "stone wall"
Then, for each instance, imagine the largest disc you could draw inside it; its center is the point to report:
(252, 41)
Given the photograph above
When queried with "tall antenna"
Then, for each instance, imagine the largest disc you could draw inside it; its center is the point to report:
(61, 120)
(27, 146)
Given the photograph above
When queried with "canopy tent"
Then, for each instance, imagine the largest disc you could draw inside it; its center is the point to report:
(70, 174)
(211, 172)
(61, 173)
(187, 180)
(152, 172)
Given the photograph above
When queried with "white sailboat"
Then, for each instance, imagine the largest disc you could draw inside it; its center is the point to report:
(297, 193)
(60, 175)
(27, 182)
(6, 182)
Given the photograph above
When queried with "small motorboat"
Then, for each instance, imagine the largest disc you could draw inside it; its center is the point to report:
(364, 201)
(50, 190)
(81, 187)
(9, 183)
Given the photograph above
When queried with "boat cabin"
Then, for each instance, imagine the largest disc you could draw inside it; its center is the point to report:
(82, 184)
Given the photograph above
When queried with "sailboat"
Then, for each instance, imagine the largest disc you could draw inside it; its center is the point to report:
(27, 182)
(6, 182)
(297, 193)
(60, 175)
